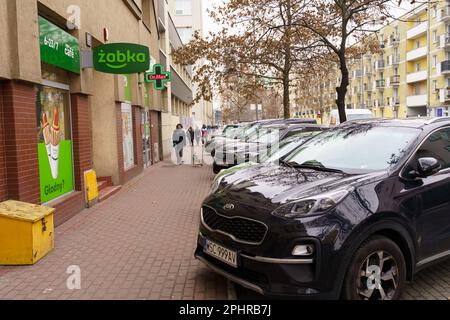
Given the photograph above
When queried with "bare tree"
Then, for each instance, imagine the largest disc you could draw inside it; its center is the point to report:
(258, 41)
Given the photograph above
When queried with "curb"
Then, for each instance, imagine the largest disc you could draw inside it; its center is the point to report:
(231, 290)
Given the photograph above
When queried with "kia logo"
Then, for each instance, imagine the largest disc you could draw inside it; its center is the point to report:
(229, 207)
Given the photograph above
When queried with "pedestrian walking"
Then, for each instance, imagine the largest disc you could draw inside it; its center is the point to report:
(179, 142)
(198, 135)
(204, 134)
(191, 135)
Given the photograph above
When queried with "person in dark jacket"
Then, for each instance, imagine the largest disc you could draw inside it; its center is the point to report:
(191, 135)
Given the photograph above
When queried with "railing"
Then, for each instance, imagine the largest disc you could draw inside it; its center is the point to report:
(395, 80)
(381, 84)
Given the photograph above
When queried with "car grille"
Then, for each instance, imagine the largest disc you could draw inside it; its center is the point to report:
(240, 229)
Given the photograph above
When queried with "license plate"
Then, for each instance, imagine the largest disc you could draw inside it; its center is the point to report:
(223, 254)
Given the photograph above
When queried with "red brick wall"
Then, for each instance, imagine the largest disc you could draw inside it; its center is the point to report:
(68, 207)
(21, 141)
(81, 137)
(3, 178)
(126, 176)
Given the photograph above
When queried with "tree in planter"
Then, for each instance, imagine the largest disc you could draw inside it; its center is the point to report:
(258, 40)
(338, 24)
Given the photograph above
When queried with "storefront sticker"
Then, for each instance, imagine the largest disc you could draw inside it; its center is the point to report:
(58, 47)
(158, 77)
(121, 58)
(55, 147)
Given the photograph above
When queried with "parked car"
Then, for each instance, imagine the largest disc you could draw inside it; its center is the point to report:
(355, 212)
(246, 130)
(257, 144)
(352, 114)
(276, 154)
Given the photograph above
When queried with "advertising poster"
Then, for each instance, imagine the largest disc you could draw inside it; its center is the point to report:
(55, 145)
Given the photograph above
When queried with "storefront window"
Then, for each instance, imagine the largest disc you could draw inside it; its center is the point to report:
(55, 144)
(127, 133)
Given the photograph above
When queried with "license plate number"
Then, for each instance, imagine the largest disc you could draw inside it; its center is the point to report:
(223, 254)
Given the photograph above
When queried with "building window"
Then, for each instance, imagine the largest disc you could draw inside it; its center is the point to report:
(417, 67)
(418, 44)
(434, 36)
(185, 34)
(434, 61)
(183, 7)
(435, 84)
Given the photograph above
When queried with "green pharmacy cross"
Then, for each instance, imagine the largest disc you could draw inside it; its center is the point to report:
(158, 77)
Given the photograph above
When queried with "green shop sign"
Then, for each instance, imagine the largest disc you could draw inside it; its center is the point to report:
(121, 58)
(58, 48)
(158, 77)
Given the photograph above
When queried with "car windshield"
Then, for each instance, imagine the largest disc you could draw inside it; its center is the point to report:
(265, 135)
(355, 148)
(286, 146)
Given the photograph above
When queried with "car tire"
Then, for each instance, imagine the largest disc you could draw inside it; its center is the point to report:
(368, 278)
(216, 168)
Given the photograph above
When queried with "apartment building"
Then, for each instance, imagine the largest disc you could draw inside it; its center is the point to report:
(188, 19)
(114, 124)
(408, 77)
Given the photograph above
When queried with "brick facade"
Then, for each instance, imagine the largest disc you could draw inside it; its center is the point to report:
(3, 177)
(19, 162)
(21, 141)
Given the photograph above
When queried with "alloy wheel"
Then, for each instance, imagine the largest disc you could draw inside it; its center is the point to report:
(378, 277)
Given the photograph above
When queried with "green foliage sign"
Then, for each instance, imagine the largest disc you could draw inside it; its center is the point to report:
(58, 48)
(121, 58)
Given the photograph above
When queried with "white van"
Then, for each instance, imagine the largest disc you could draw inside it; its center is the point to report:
(352, 114)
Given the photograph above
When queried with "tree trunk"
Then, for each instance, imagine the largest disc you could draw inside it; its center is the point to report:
(286, 97)
(342, 89)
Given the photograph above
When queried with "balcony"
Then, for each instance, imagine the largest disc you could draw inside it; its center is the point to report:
(445, 14)
(445, 67)
(446, 41)
(381, 84)
(416, 101)
(417, 76)
(417, 54)
(417, 31)
(395, 80)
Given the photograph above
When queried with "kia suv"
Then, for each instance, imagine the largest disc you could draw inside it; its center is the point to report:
(353, 213)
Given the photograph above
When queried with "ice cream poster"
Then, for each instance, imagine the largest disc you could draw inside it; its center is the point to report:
(55, 149)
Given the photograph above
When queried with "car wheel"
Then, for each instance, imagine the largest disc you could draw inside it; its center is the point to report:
(377, 271)
(216, 168)
(213, 153)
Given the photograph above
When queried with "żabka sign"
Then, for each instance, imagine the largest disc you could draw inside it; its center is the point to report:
(121, 58)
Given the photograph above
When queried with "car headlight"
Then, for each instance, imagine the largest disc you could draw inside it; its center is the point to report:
(216, 183)
(313, 205)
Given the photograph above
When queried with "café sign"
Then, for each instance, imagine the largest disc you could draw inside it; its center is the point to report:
(58, 47)
(121, 58)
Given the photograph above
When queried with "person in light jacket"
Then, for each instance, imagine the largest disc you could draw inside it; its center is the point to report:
(198, 135)
(179, 142)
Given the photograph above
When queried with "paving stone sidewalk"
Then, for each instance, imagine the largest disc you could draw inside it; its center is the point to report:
(137, 245)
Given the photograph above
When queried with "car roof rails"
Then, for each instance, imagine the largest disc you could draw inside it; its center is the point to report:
(438, 120)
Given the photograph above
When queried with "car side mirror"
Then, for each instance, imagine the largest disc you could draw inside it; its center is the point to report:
(428, 166)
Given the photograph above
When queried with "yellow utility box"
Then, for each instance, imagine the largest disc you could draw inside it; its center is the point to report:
(26, 233)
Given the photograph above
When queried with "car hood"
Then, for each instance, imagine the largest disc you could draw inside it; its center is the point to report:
(269, 186)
